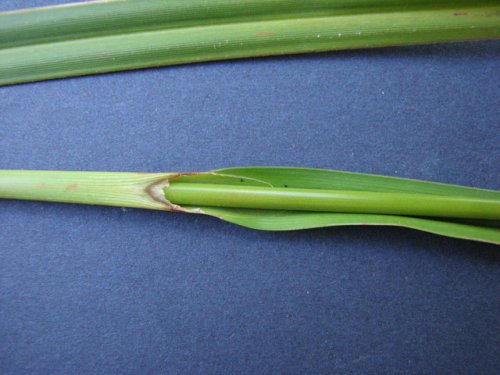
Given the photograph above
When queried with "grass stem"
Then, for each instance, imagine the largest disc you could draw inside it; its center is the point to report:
(272, 198)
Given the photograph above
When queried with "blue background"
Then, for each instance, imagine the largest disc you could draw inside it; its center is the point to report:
(119, 291)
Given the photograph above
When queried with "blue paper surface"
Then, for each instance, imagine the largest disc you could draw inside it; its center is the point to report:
(119, 291)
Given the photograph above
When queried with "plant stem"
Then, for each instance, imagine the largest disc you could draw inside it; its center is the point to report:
(193, 194)
(305, 198)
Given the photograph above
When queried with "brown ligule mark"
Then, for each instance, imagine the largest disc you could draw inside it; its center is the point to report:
(152, 191)
(155, 192)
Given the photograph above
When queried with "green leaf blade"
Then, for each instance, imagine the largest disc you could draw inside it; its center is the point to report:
(339, 180)
(290, 220)
(148, 34)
